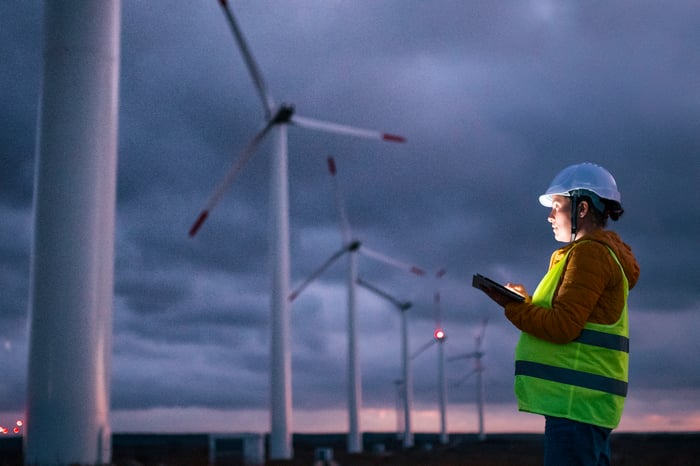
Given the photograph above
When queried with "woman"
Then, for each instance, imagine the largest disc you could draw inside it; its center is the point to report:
(572, 358)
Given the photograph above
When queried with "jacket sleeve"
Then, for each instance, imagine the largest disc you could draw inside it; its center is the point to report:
(585, 277)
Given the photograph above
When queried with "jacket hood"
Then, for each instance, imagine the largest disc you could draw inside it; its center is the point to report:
(622, 250)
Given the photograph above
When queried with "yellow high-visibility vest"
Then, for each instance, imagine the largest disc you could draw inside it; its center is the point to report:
(584, 380)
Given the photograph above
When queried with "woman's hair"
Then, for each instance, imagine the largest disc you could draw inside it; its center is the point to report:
(613, 210)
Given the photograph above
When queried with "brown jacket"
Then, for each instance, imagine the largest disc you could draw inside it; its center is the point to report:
(591, 289)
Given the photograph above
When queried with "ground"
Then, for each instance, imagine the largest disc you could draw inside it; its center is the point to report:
(675, 449)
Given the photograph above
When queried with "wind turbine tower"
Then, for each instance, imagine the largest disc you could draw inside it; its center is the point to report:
(398, 383)
(72, 259)
(477, 354)
(277, 118)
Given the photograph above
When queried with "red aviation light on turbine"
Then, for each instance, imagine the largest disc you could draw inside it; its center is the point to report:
(439, 334)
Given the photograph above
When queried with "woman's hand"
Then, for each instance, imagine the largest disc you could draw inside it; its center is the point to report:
(502, 299)
(518, 288)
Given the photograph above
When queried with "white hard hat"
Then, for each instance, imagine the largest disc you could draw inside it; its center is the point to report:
(585, 176)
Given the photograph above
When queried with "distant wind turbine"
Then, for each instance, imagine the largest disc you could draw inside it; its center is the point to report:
(351, 246)
(439, 336)
(276, 120)
(402, 307)
(477, 354)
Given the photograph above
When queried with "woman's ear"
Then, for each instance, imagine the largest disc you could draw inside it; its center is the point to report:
(582, 209)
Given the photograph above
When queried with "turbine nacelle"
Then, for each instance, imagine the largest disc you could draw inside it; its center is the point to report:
(283, 115)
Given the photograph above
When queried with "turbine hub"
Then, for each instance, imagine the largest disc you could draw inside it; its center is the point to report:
(354, 246)
(284, 114)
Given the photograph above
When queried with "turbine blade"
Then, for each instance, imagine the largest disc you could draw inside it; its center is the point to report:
(246, 154)
(391, 261)
(402, 306)
(253, 69)
(199, 222)
(293, 295)
(463, 356)
(423, 348)
(457, 357)
(319, 125)
(465, 378)
(339, 204)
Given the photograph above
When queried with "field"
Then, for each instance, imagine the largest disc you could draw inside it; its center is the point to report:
(661, 449)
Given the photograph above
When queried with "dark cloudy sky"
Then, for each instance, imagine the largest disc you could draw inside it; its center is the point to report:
(494, 99)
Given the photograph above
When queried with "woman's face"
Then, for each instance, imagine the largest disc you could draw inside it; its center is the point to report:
(560, 218)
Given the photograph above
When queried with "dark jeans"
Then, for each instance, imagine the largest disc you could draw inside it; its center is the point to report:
(571, 443)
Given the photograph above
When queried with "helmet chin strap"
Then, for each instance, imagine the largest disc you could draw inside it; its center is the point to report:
(574, 216)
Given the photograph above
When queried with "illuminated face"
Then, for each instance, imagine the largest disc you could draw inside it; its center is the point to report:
(560, 218)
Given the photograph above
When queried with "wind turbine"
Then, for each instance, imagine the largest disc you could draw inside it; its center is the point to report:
(403, 307)
(350, 244)
(439, 336)
(477, 354)
(277, 118)
(352, 247)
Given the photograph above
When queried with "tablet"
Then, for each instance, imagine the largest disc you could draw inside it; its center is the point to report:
(485, 283)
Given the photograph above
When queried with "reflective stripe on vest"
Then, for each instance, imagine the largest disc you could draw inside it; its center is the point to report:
(571, 377)
(604, 340)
